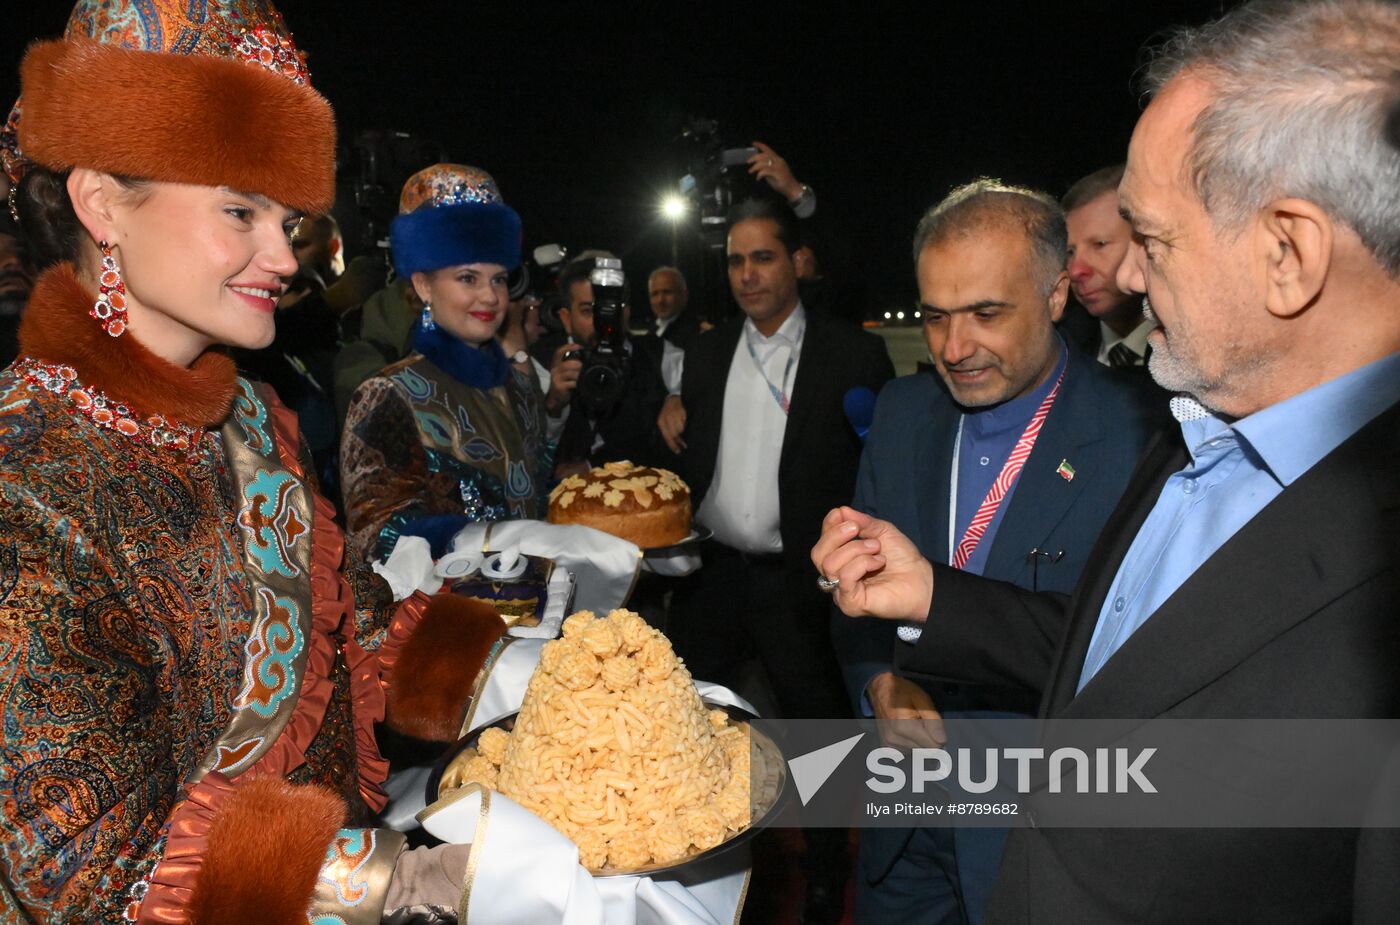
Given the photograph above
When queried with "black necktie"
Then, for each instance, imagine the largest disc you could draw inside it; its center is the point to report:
(1121, 357)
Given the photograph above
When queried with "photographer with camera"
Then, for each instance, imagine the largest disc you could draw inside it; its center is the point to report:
(615, 384)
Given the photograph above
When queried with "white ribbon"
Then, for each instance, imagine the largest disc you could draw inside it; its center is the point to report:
(604, 567)
(524, 870)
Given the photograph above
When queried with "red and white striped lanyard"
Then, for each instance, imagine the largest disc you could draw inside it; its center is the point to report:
(977, 528)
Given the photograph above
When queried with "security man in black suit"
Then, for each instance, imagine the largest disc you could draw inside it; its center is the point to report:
(768, 449)
(671, 318)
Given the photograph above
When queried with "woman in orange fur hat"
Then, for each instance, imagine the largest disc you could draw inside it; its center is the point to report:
(192, 664)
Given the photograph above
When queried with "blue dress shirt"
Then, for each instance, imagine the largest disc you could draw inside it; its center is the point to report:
(1236, 469)
(988, 437)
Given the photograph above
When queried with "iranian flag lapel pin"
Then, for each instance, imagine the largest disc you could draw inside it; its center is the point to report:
(1066, 471)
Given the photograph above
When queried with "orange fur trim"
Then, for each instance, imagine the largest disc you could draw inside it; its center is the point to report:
(265, 850)
(431, 682)
(55, 327)
(180, 118)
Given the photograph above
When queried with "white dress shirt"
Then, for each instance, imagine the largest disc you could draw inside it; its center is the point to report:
(1136, 341)
(741, 506)
(672, 357)
(672, 366)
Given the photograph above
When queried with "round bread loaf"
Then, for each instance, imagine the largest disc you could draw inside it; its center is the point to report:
(650, 507)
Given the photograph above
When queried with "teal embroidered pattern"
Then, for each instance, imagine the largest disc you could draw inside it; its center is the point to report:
(419, 389)
(273, 645)
(434, 427)
(270, 522)
(519, 484)
(481, 450)
(344, 868)
(252, 419)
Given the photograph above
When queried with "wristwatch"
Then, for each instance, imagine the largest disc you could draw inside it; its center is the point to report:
(805, 203)
(520, 357)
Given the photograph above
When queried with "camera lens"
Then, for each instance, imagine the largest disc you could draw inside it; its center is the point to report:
(600, 386)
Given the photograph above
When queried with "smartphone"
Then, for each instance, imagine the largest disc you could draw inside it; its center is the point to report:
(736, 157)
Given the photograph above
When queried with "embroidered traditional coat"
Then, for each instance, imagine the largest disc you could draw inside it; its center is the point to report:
(419, 443)
(184, 645)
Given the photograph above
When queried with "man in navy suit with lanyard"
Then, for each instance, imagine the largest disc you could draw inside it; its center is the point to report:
(1005, 463)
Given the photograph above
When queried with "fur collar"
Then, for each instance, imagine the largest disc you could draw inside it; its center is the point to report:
(56, 328)
(484, 368)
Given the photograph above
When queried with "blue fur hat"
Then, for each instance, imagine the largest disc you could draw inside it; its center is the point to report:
(450, 214)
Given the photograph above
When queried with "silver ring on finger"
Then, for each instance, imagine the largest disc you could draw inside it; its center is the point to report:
(827, 584)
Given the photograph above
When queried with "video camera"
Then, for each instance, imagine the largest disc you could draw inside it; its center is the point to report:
(370, 172)
(712, 174)
(538, 273)
(604, 376)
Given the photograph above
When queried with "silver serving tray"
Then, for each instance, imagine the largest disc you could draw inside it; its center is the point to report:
(691, 544)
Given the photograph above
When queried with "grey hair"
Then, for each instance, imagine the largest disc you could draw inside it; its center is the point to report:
(1301, 93)
(680, 277)
(987, 203)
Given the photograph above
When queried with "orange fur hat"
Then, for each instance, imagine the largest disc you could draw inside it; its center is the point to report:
(211, 93)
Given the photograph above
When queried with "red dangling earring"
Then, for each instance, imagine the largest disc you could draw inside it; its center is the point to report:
(110, 307)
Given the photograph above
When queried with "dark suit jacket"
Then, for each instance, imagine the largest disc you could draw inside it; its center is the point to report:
(1080, 329)
(1295, 616)
(1099, 425)
(821, 451)
(1082, 332)
(683, 330)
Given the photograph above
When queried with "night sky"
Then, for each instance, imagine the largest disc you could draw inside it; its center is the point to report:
(575, 108)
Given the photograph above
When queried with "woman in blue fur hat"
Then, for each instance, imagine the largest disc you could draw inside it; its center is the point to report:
(453, 433)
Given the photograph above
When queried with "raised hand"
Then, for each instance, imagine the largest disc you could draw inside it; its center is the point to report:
(879, 572)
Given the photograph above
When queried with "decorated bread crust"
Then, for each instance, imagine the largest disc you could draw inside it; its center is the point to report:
(650, 507)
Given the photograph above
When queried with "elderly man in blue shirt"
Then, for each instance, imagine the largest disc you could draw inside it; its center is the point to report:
(1253, 566)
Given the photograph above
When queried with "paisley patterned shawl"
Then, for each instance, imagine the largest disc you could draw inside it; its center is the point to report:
(163, 615)
(417, 443)
(121, 598)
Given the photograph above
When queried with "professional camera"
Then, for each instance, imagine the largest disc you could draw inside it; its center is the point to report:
(370, 171)
(604, 376)
(538, 272)
(715, 176)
